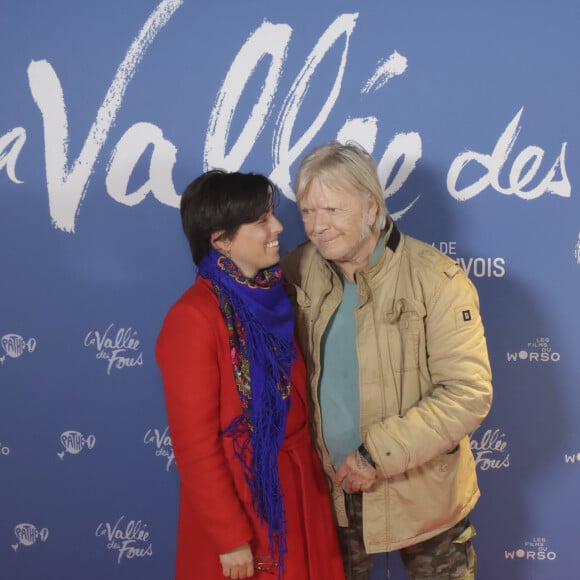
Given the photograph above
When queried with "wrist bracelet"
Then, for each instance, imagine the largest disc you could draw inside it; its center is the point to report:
(366, 455)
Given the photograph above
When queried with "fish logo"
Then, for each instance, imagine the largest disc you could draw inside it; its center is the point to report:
(28, 534)
(14, 346)
(74, 442)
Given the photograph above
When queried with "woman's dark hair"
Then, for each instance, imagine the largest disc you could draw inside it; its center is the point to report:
(218, 200)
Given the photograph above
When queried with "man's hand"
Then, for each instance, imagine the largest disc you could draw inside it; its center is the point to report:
(239, 563)
(356, 473)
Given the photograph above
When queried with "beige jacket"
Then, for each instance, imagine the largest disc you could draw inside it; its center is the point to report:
(424, 380)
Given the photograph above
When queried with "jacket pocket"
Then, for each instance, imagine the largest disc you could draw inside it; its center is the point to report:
(406, 334)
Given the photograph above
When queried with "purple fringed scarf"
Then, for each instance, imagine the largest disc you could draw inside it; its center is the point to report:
(260, 324)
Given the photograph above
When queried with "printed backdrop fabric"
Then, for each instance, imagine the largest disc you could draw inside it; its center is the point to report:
(109, 109)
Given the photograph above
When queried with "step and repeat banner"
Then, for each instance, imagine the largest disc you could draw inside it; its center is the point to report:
(109, 109)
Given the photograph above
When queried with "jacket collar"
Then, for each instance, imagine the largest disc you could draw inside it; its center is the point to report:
(364, 278)
(393, 239)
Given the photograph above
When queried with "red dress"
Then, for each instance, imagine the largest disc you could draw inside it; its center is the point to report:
(215, 512)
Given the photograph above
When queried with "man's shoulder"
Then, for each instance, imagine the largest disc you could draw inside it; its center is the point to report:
(303, 249)
(296, 261)
(428, 259)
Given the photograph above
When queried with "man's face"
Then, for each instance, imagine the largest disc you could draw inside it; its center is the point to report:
(337, 222)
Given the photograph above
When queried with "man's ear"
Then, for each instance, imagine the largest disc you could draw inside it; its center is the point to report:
(373, 210)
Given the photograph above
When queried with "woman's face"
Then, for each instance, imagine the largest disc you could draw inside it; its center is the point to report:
(255, 245)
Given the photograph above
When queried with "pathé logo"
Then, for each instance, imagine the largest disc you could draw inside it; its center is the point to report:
(130, 539)
(162, 443)
(28, 534)
(74, 442)
(119, 348)
(15, 346)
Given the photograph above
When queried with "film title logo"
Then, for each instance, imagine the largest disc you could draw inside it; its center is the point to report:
(129, 538)
(120, 348)
(162, 444)
(28, 534)
(490, 450)
(272, 43)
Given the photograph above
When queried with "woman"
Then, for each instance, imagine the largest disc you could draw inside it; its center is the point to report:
(253, 502)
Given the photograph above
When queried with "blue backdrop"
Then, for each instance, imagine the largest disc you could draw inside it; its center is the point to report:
(108, 110)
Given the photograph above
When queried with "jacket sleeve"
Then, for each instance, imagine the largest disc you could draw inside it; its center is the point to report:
(460, 374)
(189, 357)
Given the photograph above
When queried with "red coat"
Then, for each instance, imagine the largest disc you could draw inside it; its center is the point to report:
(215, 513)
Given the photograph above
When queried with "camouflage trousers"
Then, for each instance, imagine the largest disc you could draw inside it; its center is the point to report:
(448, 556)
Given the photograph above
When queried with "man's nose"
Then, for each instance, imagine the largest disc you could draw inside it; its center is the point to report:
(319, 222)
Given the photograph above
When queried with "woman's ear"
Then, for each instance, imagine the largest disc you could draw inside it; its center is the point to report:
(219, 243)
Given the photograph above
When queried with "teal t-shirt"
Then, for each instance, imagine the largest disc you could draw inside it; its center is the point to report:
(339, 396)
(339, 389)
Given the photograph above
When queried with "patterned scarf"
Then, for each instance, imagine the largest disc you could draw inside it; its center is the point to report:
(260, 324)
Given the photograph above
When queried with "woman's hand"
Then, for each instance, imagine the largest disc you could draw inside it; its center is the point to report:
(239, 563)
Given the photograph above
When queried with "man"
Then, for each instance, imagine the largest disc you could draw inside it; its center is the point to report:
(399, 371)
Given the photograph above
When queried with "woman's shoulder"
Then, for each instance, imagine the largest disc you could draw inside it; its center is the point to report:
(198, 301)
(194, 315)
(199, 294)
